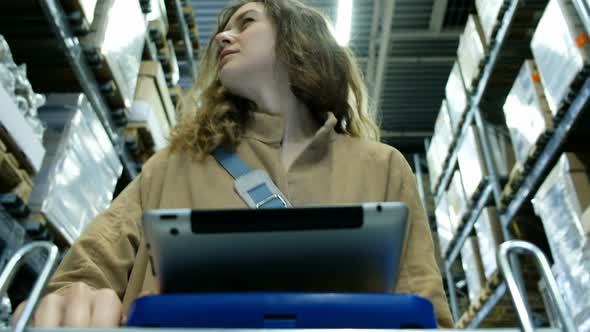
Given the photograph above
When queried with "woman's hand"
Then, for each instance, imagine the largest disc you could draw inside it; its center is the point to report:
(78, 306)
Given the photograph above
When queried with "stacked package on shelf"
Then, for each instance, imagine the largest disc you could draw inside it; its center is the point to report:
(444, 227)
(81, 167)
(443, 129)
(457, 200)
(489, 12)
(117, 39)
(472, 266)
(439, 145)
(471, 52)
(21, 148)
(489, 237)
(501, 149)
(152, 114)
(158, 13)
(471, 159)
(560, 48)
(471, 162)
(526, 111)
(456, 96)
(560, 202)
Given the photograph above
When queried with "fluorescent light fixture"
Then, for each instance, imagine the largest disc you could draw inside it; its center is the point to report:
(343, 22)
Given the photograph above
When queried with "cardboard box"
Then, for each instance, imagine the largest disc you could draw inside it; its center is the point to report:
(473, 268)
(471, 162)
(152, 96)
(560, 48)
(560, 201)
(501, 149)
(444, 228)
(154, 90)
(456, 96)
(144, 116)
(457, 200)
(444, 130)
(489, 15)
(433, 158)
(118, 34)
(158, 13)
(471, 51)
(19, 136)
(489, 237)
(526, 111)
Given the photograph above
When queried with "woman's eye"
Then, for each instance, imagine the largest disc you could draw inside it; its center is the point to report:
(246, 21)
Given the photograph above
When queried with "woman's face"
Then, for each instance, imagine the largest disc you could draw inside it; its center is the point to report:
(247, 49)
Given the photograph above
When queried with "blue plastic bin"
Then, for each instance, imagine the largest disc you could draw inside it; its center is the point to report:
(283, 310)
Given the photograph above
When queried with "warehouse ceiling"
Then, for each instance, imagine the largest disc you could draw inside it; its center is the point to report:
(421, 38)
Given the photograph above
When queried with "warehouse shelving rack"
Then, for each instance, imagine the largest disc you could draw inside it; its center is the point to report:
(58, 21)
(187, 66)
(70, 44)
(491, 192)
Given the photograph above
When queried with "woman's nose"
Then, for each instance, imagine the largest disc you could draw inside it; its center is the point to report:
(224, 38)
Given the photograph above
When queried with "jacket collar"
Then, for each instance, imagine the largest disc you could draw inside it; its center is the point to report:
(270, 127)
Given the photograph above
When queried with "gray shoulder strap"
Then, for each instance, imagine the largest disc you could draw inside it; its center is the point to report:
(255, 187)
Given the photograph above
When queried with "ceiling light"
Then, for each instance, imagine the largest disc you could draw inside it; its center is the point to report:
(343, 22)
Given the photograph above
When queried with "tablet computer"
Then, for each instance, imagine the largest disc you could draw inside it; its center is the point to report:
(335, 248)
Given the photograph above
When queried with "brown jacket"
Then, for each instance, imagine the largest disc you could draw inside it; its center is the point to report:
(334, 168)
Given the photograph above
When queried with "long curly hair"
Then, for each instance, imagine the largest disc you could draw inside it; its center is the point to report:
(323, 75)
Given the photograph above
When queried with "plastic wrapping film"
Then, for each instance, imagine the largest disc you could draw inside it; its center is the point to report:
(118, 32)
(526, 111)
(80, 169)
(472, 267)
(489, 237)
(456, 96)
(471, 51)
(471, 162)
(434, 161)
(14, 80)
(560, 48)
(457, 200)
(559, 202)
(444, 227)
(489, 16)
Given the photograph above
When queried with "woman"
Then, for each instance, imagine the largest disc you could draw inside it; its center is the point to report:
(274, 85)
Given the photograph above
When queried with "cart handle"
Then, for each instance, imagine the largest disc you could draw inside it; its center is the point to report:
(523, 247)
(13, 266)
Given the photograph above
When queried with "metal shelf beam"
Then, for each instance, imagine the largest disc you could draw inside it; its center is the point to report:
(464, 232)
(188, 45)
(476, 97)
(488, 306)
(73, 51)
